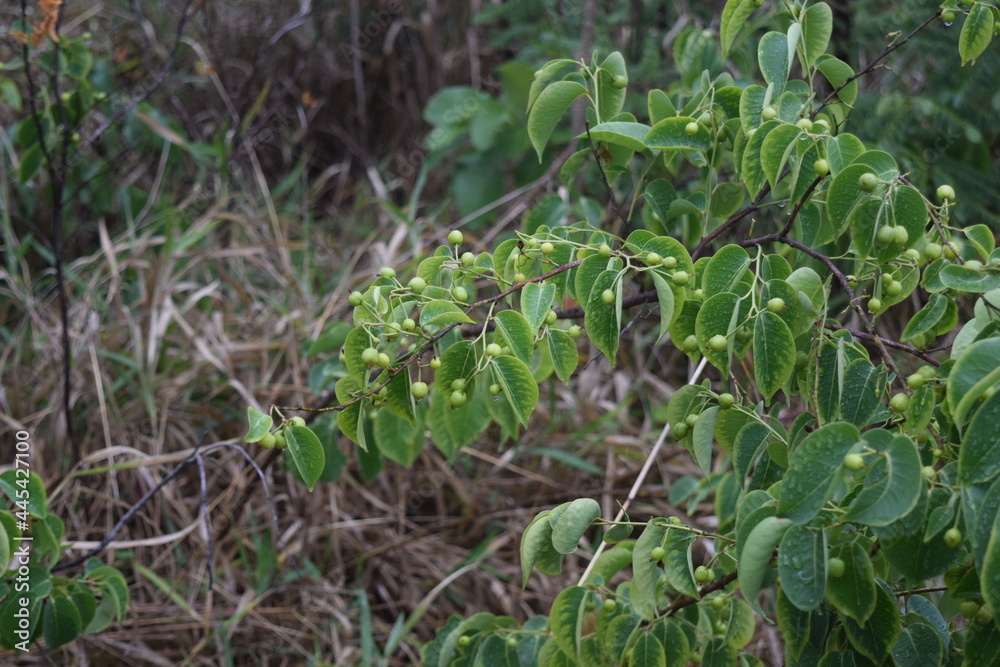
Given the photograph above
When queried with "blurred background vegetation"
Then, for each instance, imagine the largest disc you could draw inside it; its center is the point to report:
(235, 168)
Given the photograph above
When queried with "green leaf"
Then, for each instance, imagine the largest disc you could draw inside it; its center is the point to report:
(518, 386)
(875, 638)
(734, 17)
(457, 362)
(859, 396)
(802, 566)
(347, 418)
(611, 98)
(750, 442)
(564, 353)
(645, 571)
(620, 133)
(719, 315)
(570, 525)
(397, 439)
(817, 26)
(659, 106)
(586, 276)
(977, 32)
(670, 134)
(550, 106)
(814, 470)
(751, 105)
(537, 537)
(964, 279)
(979, 456)
(603, 320)
(918, 645)
(981, 238)
(926, 318)
(702, 437)
(853, 593)
(677, 561)
(307, 453)
(837, 72)
(260, 425)
(19, 484)
(566, 619)
(753, 172)
(516, 331)
(727, 198)
(536, 300)
(756, 555)
(725, 270)
(61, 621)
(892, 485)
(842, 150)
(439, 313)
(399, 400)
(974, 372)
(772, 56)
(778, 145)
(5, 544)
(845, 195)
(773, 353)
(982, 642)
(494, 651)
(665, 298)
(647, 652)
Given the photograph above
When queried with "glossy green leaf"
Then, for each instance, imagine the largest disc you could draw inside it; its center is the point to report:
(601, 319)
(926, 318)
(618, 133)
(734, 17)
(981, 238)
(586, 275)
(564, 353)
(837, 72)
(260, 425)
(756, 555)
(842, 150)
(965, 279)
(802, 566)
(751, 105)
(20, 485)
(727, 198)
(815, 468)
(569, 525)
(853, 593)
(347, 418)
(611, 97)
(307, 453)
(725, 270)
(875, 638)
(750, 442)
(517, 384)
(973, 374)
(517, 333)
(892, 485)
(671, 134)
(659, 106)
(537, 537)
(648, 652)
(719, 653)
(61, 622)
(399, 400)
(753, 173)
(982, 642)
(677, 563)
(859, 396)
(779, 144)
(703, 436)
(817, 26)
(550, 106)
(977, 32)
(665, 299)
(918, 645)
(979, 456)
(718, 316)
(440, 313)
(536, 300)
(773, 353)
(772, 57)
(458, 362)
(645, 571)
(566, 618)
(844, 195)
(397, 439)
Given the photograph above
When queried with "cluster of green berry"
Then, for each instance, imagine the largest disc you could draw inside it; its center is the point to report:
(276, 438)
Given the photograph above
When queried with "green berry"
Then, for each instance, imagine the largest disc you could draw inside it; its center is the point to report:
(547, 248)
(279, 441)
(604, 250)
(885, 235)
(297, 421)
(915, 381)
(703, 575)
(608, 297)
(691, 343)
(457, 399)
(519, 277)
(464, 641)
(355, 299)
(551, 317)
(854, 462)
(691, 420)
(383, 360)
(726, 401)
(835, 567)
(467, 259)
(913, 254)
(768, 113)
(419, 390)
(652, 259)
(902, 236)
(460, 293)
(801, 359)
(418, 285)
(698, 294)
(822, 167)
(776, 305)
(493, 350)
(680, 278)
(948, 17)
(680, 430)
(898, 402)
(495, 389)
(511, 642)
(387, 272)
(618, 82)
(657, 553)
(933, 251)
(874, 306)
(458, 384)
(968, 608)
(973, 264)
(868, 182)
(805, 124)
(369, 356)
(575, 332)
(894, 289)
(946, 193)
(953, 537)
(718, 342)
(455, 237)
(409, 324)
(928, 472)
(691, 128)
(435, 363)
(928, 372)
(268, 441)
(609, 606)
(669, 262)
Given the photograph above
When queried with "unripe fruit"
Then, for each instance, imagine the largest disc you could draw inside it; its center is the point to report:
(913, 253)
(968, 609)
(718, 342)
(464, 641)
(835, 567)
(387, 272)
(973, 264)
(822, 167)
(703, 575)
(854, 462)
(928, 472)
(608, 297)
(776, 305)
(419, 390)
(691, 128)
(455, 237)
(609, 606)
(547, 248)
(369, 356)
(894, 289)
(874, 306)
(726, 401)
(801, 359)
(902, 236)
(680, 430)
(511, 642)
(669, 262)
(279, 441)
(743, 334)
(805, 124)
(680, 278)
(457, 399)
(460, 293)
(342, 358)
(409, 324)
(604, 250)
(698, 294)
(493, 350)
(652, 259)
(768, 113)
(296, 421)
(933, 251)
(468, 259)
(657, 553)
(899, 402)
(495, 389)
(355, 299)
(619, 82)
(691, 343)
(551, 317)
(820, 126)
(383, 360)
(705, 118)
(268, 441)
(458, 384)
(575, 332)
(948, 16)
(928, 372)
(717, 602)
(868, 182)
(691, 420)
(519, 277)
(915, 381)
(953, 537)
(885, 235)
(946, 193)
(887, 279)
(418, 285)
(435, 363)
(674, 520)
